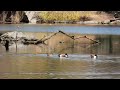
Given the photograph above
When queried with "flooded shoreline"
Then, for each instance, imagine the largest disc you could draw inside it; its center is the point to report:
(61, 43)
(32, 62)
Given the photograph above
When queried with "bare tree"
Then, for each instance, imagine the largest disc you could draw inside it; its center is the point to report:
(4, 15)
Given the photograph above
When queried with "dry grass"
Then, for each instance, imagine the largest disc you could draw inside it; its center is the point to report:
(73, 15)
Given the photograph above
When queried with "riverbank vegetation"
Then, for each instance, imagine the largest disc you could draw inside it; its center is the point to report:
(57, 17)
(71, 16)
(65, 15)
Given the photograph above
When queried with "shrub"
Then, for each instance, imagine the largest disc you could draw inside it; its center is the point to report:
(49, 16)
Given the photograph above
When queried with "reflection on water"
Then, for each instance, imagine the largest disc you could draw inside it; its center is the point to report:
(40, 66)
(31, 61)
(109, 45)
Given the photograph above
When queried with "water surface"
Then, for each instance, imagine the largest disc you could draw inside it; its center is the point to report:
(32, 62)
(114, 30)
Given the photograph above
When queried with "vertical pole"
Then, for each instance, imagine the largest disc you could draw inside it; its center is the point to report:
(48, 51)
(73, 45)
(16, 38)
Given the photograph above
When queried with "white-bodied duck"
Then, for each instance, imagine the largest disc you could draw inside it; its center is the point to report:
(63, 55)
(94, 56)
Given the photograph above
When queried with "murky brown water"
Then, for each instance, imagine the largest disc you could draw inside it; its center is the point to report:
(31, 61)
(41, 67)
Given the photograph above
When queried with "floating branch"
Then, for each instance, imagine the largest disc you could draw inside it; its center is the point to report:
(92, 39)
(49, 36)
(72, 37)
(88, 39)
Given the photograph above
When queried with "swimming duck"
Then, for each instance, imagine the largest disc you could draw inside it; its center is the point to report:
(94, 56)
(63, 55)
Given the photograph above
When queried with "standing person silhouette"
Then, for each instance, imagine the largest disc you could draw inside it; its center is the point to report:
(7, 45)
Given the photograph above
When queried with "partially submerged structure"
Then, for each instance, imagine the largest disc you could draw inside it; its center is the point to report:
(55, 42)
